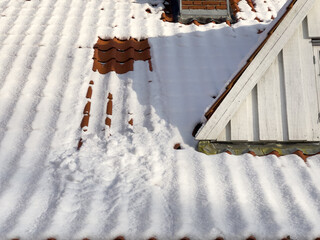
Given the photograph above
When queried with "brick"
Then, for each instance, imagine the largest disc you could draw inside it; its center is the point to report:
(215, 2)
(197, 7)
(197, 2)
(221, 7)
(187, 3)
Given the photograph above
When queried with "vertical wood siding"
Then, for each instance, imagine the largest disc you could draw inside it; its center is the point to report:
(284, 105)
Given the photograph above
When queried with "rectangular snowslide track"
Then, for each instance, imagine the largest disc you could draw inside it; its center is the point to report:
(118, 56)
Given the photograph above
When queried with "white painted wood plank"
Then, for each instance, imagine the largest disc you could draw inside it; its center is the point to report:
(269, 105)
(314, 21)
(239, 124)
(225, 135)
(310, 85)
(251, 112)
(255, 70)
(316, 127)
(294, 88)
(283, 104)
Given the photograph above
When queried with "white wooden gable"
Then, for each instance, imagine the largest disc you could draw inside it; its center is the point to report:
(277, 98)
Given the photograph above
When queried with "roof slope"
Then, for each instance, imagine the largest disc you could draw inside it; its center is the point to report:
(128, 180)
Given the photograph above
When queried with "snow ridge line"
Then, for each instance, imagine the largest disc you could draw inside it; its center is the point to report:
(233, 209)
(204, 215)
(215, 195)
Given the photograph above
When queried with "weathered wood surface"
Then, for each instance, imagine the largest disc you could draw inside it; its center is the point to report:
(239, 126)
(314, 21)
(316, 122)
(269, 105)
(294, 87)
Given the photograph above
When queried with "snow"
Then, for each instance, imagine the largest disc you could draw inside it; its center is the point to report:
(128, 180)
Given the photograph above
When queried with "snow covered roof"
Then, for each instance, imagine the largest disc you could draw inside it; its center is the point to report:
(127, 180)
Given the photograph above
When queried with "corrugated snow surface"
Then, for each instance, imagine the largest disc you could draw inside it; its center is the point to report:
(128, 180)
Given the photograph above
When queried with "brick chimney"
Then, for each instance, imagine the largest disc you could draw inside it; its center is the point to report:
(204, 9)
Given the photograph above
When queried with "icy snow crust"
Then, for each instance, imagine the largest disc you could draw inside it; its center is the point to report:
(128, 180)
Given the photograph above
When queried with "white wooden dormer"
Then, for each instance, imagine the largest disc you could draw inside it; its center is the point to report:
(283, 104)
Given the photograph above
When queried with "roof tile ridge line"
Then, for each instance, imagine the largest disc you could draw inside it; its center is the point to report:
(120, 49)
(117, 61)
(120, 41)
(115, 51)
(216, 104)
(121, 44)
(122, 56)
(113, 66)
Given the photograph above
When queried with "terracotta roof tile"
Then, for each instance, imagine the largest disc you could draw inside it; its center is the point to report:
(119, 55)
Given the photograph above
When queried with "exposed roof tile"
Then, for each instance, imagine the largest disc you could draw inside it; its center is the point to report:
(119, 55)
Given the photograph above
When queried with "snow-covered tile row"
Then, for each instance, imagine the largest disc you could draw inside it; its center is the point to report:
(127, 179)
